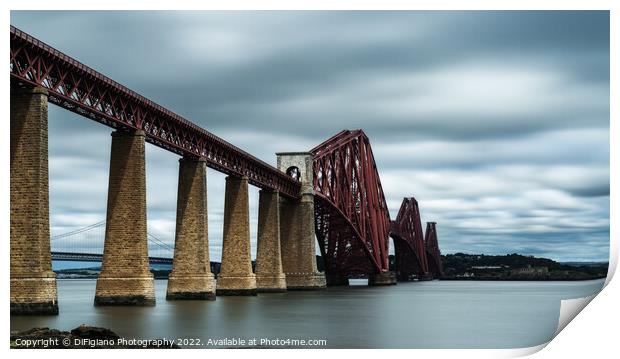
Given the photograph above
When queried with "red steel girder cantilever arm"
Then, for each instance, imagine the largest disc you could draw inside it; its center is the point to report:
(353, 221)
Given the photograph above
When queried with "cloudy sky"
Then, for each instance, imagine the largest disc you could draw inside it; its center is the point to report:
(497, 122)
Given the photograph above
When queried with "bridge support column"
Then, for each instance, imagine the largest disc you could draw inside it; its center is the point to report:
(297, 226)
(125, 278)
(379, 279)
(33, 284)
(236, 277)
(336, 280)
(191, 276)
(269, 274)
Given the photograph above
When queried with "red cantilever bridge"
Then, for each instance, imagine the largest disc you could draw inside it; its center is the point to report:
(353, 223)
(351, 218)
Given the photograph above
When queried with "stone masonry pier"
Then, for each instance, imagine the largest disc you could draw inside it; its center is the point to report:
(269, 274)
(236, 276)
(125, 278)
(33, 284)
(191, 276)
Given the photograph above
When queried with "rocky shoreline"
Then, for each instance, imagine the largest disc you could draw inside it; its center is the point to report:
(82, 337)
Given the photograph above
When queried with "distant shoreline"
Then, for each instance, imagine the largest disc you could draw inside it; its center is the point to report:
(456, 267)
(510, 267)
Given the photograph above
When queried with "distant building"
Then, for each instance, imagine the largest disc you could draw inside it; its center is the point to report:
(530, 271)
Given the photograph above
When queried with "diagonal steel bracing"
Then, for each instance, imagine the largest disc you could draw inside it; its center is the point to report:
(409, 240)
(352, 219)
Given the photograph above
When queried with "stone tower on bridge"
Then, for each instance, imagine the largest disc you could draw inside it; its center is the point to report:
(298, 241)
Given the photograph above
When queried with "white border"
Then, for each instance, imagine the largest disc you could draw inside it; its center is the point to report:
(594, 332)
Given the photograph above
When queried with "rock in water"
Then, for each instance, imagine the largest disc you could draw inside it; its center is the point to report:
(88, 332)
(82, 337)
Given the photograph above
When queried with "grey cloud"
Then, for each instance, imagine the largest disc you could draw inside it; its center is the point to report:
(601, 190)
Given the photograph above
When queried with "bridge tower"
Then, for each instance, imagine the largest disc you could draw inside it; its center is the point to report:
(433, 254)
(297, 231)
(352, 218)
(33, 284)
(409, 250)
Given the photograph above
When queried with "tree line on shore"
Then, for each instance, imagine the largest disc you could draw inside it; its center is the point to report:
(456, 266)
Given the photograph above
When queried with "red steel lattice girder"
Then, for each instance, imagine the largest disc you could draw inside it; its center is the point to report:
(407, 265)
(80, 89)
(352, 219)
(433, 253)
(407, 229)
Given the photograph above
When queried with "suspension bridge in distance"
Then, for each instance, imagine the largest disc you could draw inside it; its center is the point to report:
(86, 245)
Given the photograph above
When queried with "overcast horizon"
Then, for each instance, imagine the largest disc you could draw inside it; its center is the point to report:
(496, 122)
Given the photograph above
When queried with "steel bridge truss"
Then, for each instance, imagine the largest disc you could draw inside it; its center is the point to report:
(433, 253)
(352, 219)
(410, 253)
(80, 89)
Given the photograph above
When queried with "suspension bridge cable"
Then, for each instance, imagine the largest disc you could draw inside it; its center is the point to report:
(89, 236)
(78, 231)
(159, 242)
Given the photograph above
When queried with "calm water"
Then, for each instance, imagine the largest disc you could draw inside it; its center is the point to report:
(439, 314)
